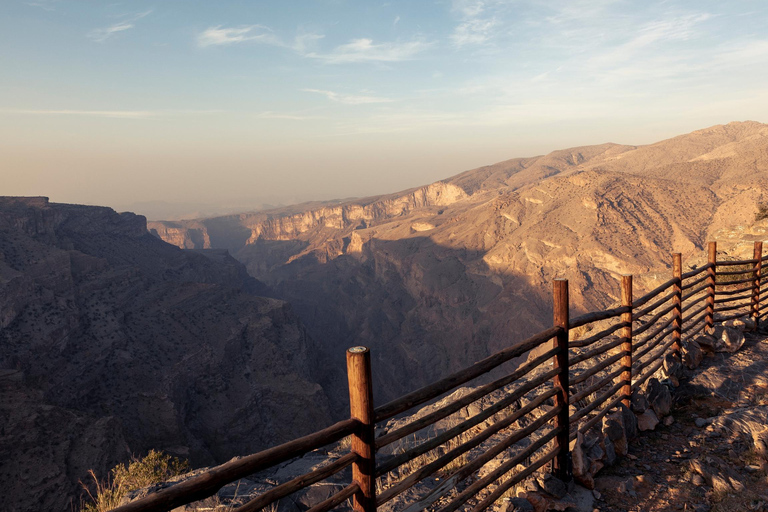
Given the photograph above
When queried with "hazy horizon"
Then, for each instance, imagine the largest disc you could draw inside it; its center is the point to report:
(209, 107)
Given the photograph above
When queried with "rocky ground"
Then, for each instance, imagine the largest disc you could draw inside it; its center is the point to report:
(712, 457)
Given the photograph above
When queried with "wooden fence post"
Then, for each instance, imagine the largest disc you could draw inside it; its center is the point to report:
(677, 333)
(361, 409)
(626, 336)
(561, 464)
(758, 255)
(712, 259)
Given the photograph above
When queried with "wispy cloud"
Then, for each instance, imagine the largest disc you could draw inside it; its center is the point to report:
(102, 34)
(222, 36)
(476, 25)
(365, 50)
(46, 5)
(356, 50)
(217, 36)
(349, 99)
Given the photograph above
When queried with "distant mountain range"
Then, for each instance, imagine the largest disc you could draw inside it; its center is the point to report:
(436, 277)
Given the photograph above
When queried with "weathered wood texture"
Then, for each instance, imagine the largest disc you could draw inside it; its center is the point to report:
(758, 255)
(626, 337)
(560, 465)
(361, 409)
(711, 273)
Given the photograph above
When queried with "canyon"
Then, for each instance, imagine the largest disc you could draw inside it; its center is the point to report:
(436, 277)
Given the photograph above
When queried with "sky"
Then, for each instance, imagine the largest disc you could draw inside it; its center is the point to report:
(179, 106)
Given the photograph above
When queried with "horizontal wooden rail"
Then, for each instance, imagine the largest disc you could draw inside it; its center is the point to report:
(598, 385)
(655, 318)
(597, 417)
(504, 487)
(337, 499)
(696, 331)
(731, 299)
(693, 321)
(694, 312)
(494, 475)
(449, 482)
(208, 483)
(597, 337)
(734, 292)
(576, 416)
(588, 354)
(696, 271)
(738, 281)
(470, 467)
(736, 272)
(457, 405)
(446, 436)
(596, 316)
(440, 387)
(653, 333)
(730, 317)
(731, 308)
(638, 383)
(650, 360)
(653, 293)
(597, 368)
(726, 263)
(640, 353)
(642, 312)
(695, 291)
(298, 483)
(686, 286)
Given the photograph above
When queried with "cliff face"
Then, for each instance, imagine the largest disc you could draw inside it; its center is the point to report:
(113, 342)
(434, 278)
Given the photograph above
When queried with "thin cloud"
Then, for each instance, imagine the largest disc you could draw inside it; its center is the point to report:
(46, 5)
(476, 26)
(365, 50)
(349, 99)
(357, 50)
(218, 36)
(102, 34)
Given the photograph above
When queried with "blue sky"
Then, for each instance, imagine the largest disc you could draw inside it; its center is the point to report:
(241, 102)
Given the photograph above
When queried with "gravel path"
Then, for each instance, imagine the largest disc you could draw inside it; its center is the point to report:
(709, 458)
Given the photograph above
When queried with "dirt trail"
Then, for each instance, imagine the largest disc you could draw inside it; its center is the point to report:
(709, 435)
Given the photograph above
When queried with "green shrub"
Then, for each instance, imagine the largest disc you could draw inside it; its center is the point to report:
(156, 467)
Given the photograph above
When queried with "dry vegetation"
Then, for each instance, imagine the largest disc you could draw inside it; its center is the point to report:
(156, 467)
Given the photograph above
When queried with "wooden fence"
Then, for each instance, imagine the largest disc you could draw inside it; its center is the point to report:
(570, 387)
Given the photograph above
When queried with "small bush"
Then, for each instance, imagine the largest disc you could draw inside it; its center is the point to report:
(156, 467)
(762, 211)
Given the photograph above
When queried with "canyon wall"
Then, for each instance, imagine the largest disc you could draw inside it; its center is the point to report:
(113, 342)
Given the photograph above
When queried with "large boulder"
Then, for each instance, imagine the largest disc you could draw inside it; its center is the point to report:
(659, 397)
(647, 421)
(727, 339)
(692, 354)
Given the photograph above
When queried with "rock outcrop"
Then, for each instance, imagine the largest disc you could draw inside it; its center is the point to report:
(113, 342)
